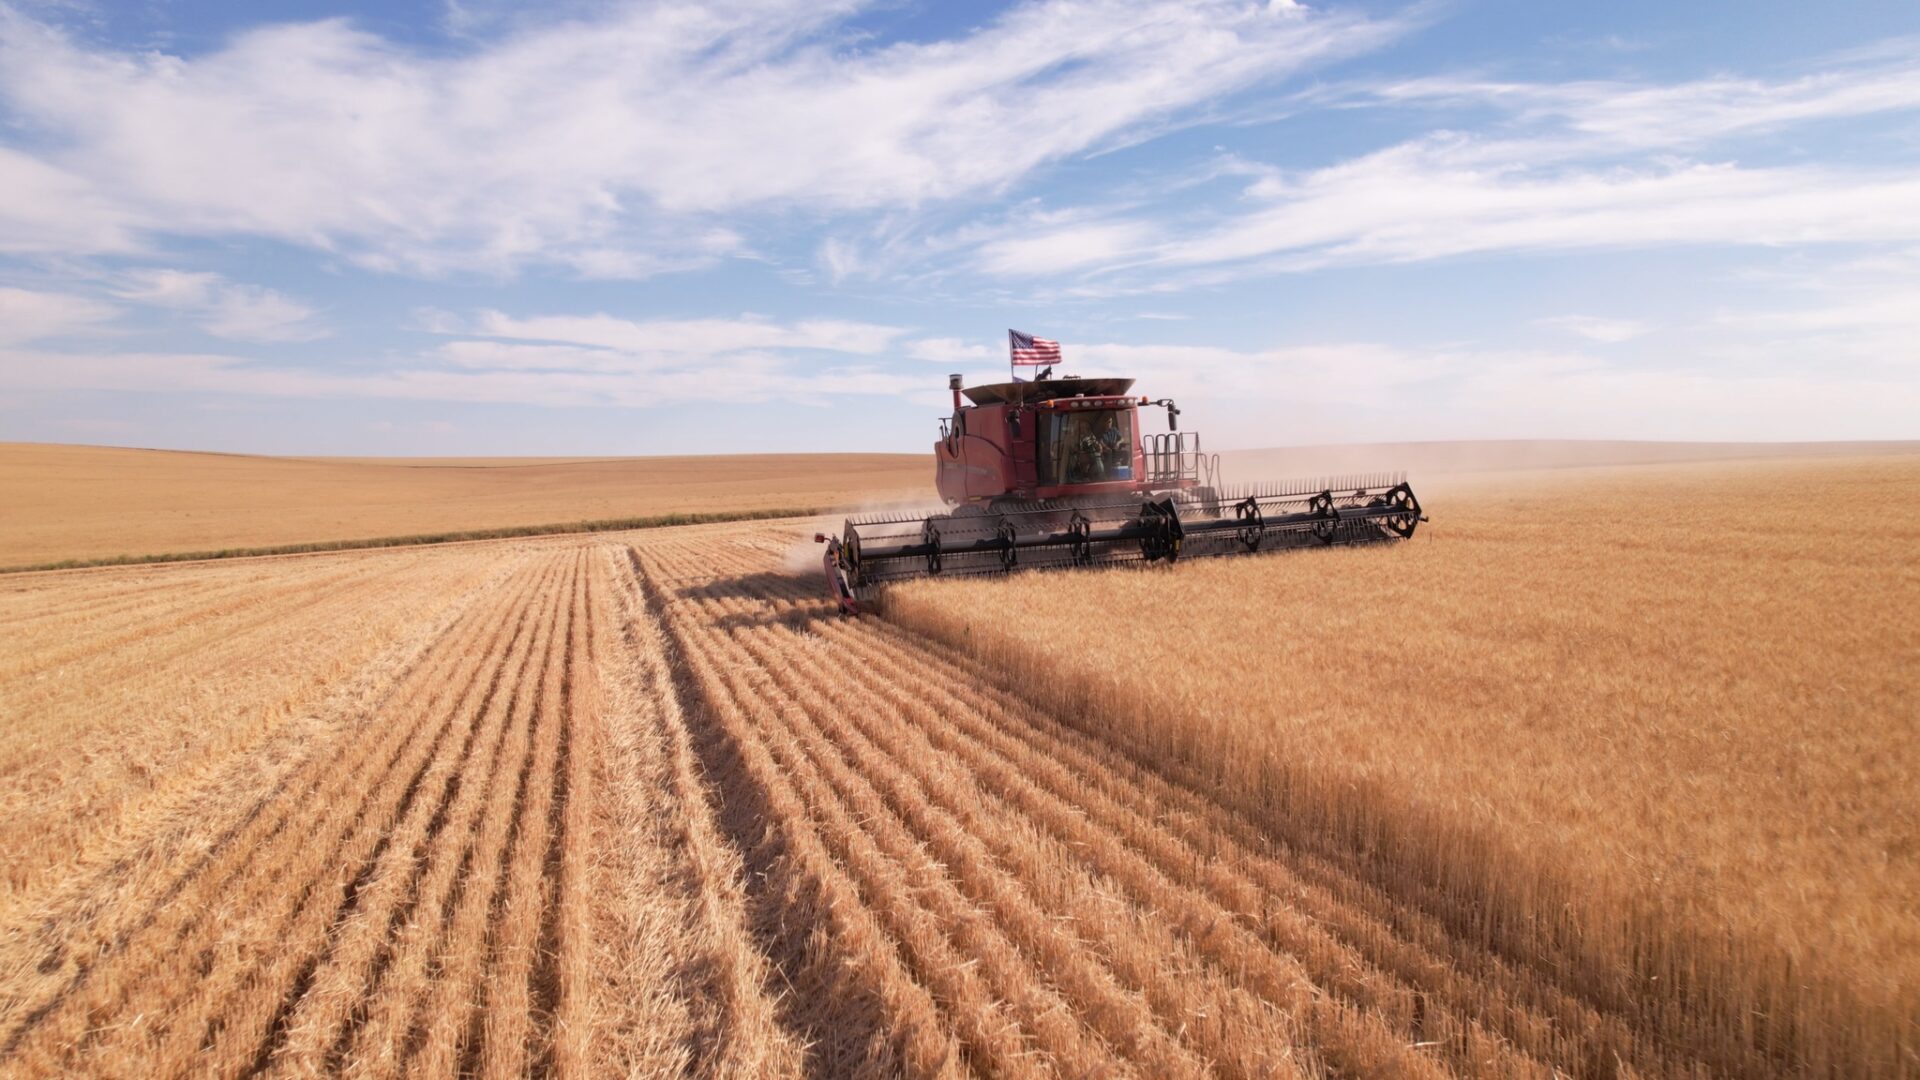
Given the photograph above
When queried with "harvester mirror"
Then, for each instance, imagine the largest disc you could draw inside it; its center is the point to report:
(1013, 422)
(1173, 413)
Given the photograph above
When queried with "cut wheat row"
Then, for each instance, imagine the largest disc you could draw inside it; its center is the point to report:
(113, 738)
(403, 891)
(1334, 928)
(115, 882)
(1005, 924)
(678, 983)
(1098, 809)
(229, 938)
(179, 897)
(1467, 1000)
(1006, 1008)
(1148, 981)
(1466, 1018)
(855, 996)
(1041, 862)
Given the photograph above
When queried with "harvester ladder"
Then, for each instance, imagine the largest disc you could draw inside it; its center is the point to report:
(1026, 470)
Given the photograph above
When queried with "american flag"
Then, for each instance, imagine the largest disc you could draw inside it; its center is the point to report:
(1030, 351)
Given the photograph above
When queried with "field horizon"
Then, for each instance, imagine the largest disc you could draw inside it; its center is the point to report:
(82, 504)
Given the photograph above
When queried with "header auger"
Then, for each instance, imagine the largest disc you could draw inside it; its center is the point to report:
(1054, 473)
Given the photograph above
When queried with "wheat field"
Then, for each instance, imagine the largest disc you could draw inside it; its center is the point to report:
(642, 804)
(1657, 727)
(96, 502)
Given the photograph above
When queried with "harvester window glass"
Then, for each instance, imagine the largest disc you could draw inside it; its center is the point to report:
(1087, 446)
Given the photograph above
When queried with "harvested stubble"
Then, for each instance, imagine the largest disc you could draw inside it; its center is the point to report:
(581, 808)
(1007, 894)
(414, 878)
(1644, 743)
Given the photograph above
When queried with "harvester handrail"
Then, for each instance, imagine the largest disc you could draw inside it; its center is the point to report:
(1170, 458)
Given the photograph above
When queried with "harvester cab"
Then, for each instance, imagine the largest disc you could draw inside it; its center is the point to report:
(1057, 439)
(1058, 472)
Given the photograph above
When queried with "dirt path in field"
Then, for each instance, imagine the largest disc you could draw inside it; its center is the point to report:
(655, 810)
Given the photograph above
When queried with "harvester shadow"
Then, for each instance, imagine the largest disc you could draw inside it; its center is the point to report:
(785, 599)
(761, 585)
(842, 1019)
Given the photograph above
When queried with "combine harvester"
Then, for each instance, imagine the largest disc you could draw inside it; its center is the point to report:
(1056, 473)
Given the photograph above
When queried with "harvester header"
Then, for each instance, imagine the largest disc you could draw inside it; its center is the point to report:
(1059, 473)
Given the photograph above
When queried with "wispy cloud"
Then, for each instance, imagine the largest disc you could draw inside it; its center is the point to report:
(611, 144)
(30, 315)
(430, 378)
(688, 337)
(225, 309)
(1622, 115)
(950, 351)
(1597, 328)
(1582, 166)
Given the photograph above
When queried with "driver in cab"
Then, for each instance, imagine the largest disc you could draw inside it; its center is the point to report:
(1113, 449)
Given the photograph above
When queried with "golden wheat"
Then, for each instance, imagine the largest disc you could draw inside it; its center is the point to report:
(90, 502)
(1632, 722)
(643, 804)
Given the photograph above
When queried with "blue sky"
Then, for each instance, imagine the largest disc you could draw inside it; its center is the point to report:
(608, 228)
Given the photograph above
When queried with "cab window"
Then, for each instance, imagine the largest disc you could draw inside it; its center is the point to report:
(1086, 446)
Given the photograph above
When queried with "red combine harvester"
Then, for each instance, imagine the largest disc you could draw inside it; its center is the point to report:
(1057, 473)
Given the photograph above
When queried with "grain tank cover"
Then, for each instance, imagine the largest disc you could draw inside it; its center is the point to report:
(1016, 393)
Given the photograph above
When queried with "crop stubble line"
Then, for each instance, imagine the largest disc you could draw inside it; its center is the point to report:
(1239, 881)
(253, 597)
(127, 769)
(344, 786)
(368, 1040)
(936, 925)
(221, 858)
(780, 662)
(448, 1033)
(130, 919)
(686, 877)
(247, 1029)
(992, 910)
(359, 953)
(1151, 982)
(515, 1031)
(849, 991)
(731, 615)
(1395, 935)
(1172, 877)
(1203, 831)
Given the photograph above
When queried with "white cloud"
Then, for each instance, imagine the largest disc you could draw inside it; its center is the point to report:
(1597, 328)
(1072, 247)
(1365, 392)
(1444, 197)
(1448, 195)
(688, 337)
(607, 144)
(950, 351)
(28, 315)
(50, 211)
(225, 309)
(430, 379)
(178, 289)
(1578, 166)
(1623, 115)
